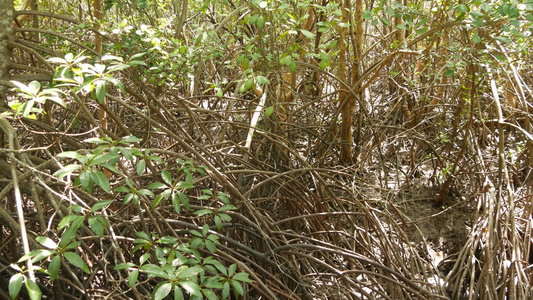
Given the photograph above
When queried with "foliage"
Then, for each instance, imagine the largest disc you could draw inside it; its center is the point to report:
(272, 149)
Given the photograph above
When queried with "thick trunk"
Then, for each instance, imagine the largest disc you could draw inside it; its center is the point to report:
(6, 33)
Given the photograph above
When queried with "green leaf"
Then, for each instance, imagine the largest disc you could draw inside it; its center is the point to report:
(156, 201)
(102, 220)
(184, 199)
(185, 185)
(58, 101)
(166, 177)
(141, 166)
(86, 180)
(39, 254)
(478, 22)
(218, 222)
(144, 258)
(176, 203)
(209, 294)
(202, 212)
(231, 270)
(72, 245)
(103, 181)
(225, 290)
(244, 277)
(70, 233)
(96, 227)
(95, 140)
(162, 291)
(308, 34)
(248, 84)
(68, 154)
(503, 39)
(153, 270)
(219, 92)
(101, 204)
(102, 158)
(46, 241)
(401, 26)
(143, 235)
(191, 287)
(253, 19)
(122, 189)
(132, 278)
(450, 72)
(100, 91)
(168, 240)
(156, 185)
(145, 192)
(123, 266)
(66, 220)
(421, 22)
(178, 294)
(28, 108)
(269, 111)
(15, 283)
(500, 57)
(67, 170)
(422, 30)
(33, 289)
(34, 87)
(111, 168)
(77, 261)
(54, 266)
(189, 272)
(260, 22)
(476, 39)
(210, 246)
(131, 139)
(205, 229)
(237, 287)
(292, 67)
(261, 80)
(111, 57)
(225, 217)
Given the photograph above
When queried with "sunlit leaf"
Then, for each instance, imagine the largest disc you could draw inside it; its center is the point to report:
(162, 291)
(46, 241)
(132, 278)
(66, 170)
(33, 289)
(308, 34)
(101, 204)
(191, 287)
(15, 283)
(141, 166)
(100, 91)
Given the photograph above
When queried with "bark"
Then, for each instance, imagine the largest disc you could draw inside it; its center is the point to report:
(6, 33)
(345, 98)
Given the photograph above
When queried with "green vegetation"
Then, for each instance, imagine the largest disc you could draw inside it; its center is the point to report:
(265, 149)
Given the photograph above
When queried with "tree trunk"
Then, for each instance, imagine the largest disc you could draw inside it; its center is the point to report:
(346, 99)
(6, 33)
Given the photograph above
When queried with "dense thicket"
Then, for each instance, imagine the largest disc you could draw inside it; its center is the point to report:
(266, 149)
